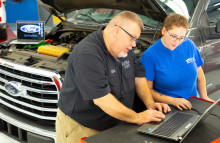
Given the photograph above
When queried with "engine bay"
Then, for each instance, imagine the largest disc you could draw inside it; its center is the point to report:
(30, 55)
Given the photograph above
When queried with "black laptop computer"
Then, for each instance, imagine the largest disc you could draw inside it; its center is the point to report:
(177, 125)
(29, 32)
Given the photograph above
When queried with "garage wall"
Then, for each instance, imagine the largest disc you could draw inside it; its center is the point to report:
(24, 10)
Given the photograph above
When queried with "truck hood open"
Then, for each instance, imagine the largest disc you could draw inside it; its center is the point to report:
(149, 8)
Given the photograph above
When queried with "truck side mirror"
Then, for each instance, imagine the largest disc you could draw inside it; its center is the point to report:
(212, 32)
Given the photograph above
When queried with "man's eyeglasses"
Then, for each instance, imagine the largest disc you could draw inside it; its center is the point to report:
(132, 37)
(174, 37)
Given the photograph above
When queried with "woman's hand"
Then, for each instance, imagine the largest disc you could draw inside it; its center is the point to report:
(181, 103)
(208, 99)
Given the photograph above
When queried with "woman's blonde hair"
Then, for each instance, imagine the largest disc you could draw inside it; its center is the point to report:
(174, 20)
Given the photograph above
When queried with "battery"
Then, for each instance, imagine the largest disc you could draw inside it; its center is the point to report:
(52, 50)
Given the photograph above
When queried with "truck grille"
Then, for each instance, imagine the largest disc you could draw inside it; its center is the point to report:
(32, 94)
(13, 130)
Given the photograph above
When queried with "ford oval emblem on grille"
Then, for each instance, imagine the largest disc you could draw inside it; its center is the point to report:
(30, 28)
(13, 88)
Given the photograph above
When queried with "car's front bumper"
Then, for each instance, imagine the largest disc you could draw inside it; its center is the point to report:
(24, 129)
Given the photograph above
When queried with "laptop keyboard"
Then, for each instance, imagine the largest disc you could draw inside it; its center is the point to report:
(172, 124)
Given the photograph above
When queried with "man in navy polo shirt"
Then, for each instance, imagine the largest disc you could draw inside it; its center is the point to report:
(101, 78)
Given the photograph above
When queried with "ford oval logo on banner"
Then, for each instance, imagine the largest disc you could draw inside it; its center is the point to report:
(30, 28)
(12, 88)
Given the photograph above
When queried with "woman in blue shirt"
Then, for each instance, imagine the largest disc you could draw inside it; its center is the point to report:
(173, 65)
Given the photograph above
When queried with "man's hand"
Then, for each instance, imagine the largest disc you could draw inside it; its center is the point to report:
(181, 103)
(159, 106)
(148, 116)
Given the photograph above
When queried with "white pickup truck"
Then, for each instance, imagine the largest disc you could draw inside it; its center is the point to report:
(30, 81)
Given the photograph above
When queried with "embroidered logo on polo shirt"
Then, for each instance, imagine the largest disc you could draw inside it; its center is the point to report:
(126, 64)
(113, 71)
(190, 60)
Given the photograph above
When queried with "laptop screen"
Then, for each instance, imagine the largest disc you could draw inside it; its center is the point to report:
(33, 30)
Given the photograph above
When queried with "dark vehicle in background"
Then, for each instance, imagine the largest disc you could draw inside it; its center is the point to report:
(3, 30)
(30, 81)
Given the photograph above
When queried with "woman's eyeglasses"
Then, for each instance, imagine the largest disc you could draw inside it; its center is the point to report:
(132, 37)
(174, 37)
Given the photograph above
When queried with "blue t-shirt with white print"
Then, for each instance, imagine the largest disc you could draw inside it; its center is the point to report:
(173, 72)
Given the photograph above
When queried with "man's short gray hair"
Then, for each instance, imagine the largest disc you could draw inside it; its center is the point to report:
(124, 17)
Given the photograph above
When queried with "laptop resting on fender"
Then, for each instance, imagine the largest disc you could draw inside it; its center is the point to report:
(29, 32)
(176, 126)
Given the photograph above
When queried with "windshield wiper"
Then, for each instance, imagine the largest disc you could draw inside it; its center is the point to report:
(149, 26)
